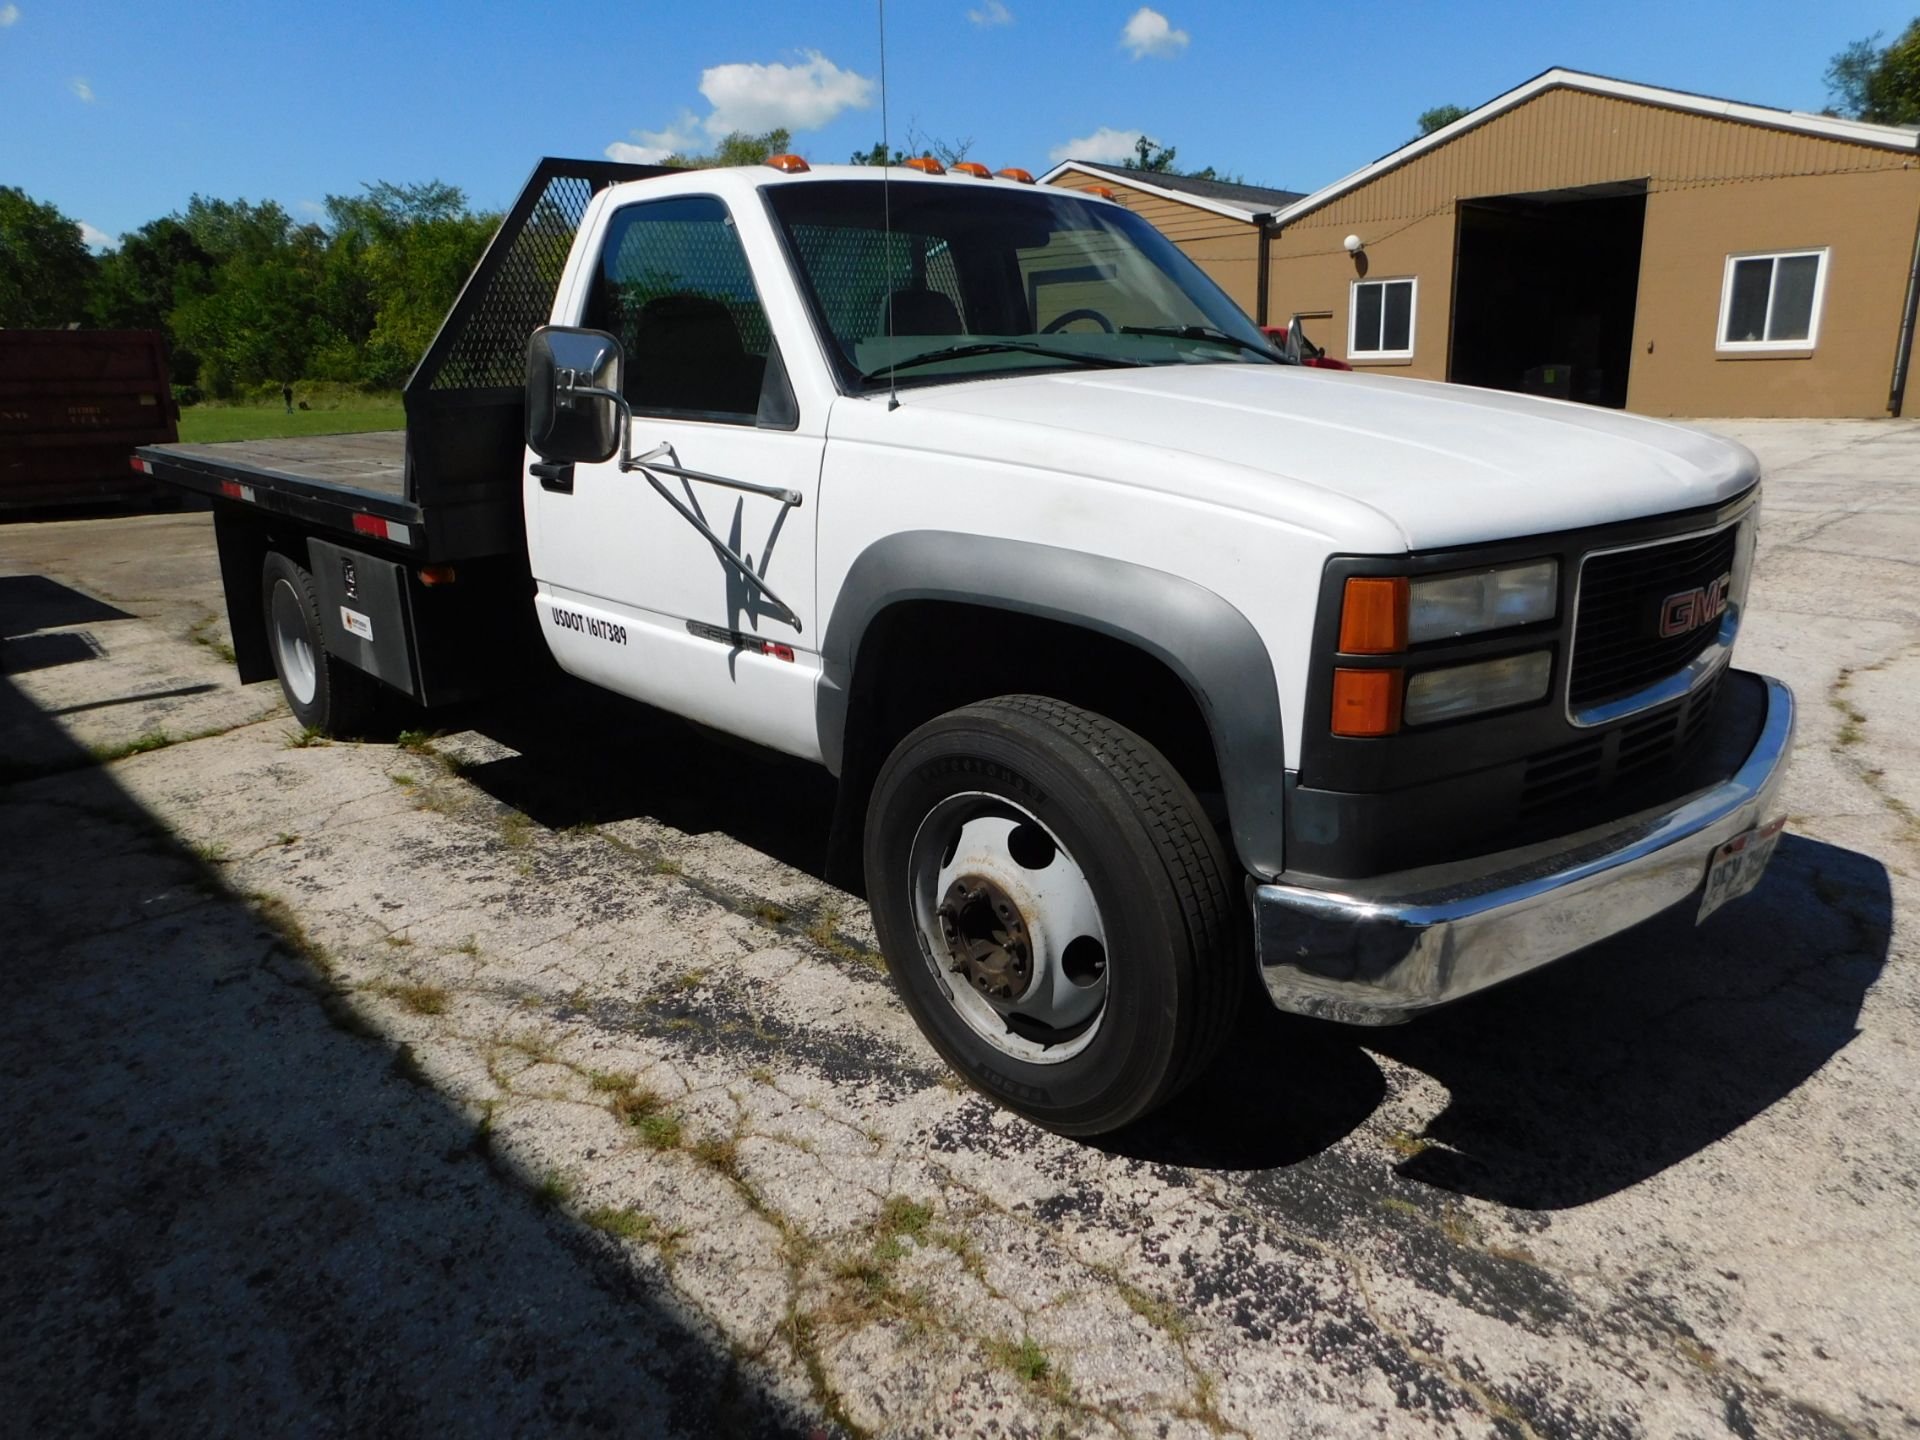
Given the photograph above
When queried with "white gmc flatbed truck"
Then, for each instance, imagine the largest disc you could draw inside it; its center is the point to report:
(1149, 664)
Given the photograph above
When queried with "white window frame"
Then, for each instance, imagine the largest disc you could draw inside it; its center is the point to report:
(1762, 347)
(1413, 316)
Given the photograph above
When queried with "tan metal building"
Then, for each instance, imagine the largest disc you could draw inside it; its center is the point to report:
(1614, 243)
(1217, 222)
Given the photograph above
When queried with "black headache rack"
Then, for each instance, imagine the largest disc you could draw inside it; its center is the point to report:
(451, 490)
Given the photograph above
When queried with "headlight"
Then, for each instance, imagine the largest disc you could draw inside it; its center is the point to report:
(1485, 685)
(1450, 605)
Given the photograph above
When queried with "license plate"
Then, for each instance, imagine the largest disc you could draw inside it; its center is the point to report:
(1736, 867)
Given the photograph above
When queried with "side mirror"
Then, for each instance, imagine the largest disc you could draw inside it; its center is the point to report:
(574, 394)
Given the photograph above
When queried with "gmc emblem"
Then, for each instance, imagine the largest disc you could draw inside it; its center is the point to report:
(1690, 609)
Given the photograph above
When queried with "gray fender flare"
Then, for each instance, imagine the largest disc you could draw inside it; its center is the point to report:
(1205, 641)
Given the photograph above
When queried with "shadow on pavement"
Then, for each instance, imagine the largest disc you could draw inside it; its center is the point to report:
(1569, 1085)
(1595, 1074)
(1585, 1078)
(590, 757)
(224, 1211)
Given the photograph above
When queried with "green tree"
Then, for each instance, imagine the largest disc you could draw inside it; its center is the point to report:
(1439, 117)
(1879, 84)
(45, 267)
(878, 155)
(1151, 157)
(738, 148)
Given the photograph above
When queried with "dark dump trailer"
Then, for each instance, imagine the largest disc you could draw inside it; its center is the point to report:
(74, 405)
(415, 539)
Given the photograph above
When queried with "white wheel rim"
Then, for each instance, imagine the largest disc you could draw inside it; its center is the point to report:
(291, 647)
(997, 851)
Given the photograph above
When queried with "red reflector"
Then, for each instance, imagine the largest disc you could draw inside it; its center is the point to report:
(370, 525)
(780, 652)
(232, 490)
(436, 575)
(140, 465)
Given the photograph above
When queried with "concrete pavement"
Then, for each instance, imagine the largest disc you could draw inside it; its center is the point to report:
(528, 1078)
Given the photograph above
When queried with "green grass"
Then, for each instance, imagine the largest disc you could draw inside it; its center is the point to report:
(208, 424)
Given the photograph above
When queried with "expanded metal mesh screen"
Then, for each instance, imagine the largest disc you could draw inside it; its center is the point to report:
(854, 271)
(491, 350)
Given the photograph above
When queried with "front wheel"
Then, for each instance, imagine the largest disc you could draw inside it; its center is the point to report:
(1055, 909)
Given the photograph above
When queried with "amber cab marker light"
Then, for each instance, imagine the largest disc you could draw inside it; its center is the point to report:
(926, 165)
(1366, 702)
(1102, 191)
(1025, 177)
(1373, 616)
(973, 168)
(789, 164)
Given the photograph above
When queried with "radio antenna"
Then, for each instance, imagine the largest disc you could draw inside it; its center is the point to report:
(886, 210)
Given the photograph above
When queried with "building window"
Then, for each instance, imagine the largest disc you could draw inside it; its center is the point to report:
(1380, 320)
(1772, 302)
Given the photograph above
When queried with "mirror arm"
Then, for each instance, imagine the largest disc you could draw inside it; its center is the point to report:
(568, 384)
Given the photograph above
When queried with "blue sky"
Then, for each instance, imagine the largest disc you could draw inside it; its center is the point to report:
(118, 112)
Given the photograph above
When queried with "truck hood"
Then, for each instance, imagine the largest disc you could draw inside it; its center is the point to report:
(1443, 465)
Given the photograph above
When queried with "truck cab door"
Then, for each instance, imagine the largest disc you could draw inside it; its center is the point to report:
(634, 597)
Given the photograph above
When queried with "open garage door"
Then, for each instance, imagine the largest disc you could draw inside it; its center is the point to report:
(1544, 291)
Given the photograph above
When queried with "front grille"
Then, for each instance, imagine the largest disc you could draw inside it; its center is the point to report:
(1617, 646)
(1642, 747)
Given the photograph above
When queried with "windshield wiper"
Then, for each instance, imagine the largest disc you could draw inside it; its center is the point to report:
(995, 347)
(1203, 332)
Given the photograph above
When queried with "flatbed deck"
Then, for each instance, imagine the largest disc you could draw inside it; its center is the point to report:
(373, 460)
(353, 483)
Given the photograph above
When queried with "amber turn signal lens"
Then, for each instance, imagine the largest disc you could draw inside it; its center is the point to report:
(1366, 702)
(1373, 616)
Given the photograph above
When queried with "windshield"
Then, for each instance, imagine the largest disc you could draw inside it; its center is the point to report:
(998, 280)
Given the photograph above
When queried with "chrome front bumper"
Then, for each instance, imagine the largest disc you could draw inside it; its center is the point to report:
(1377, 958)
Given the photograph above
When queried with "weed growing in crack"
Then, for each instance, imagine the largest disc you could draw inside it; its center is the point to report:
(139, 745)
(204, 633)
(720, 1153)
(1032, 1365)
(768, 913)
(306, 737)
(398, 942)
(516, 830)
(404, 780)
(1407, 1146)
(555, 1189)
(470, 947)
(212, 852)
(660, 1130)
(419, 999)
(416, 742)
(664, 866)
(1161, 1314)
(623, 1223)
(285, 838)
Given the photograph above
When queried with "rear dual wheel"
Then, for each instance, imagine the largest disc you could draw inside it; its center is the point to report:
(1057, 913)
(324, 692)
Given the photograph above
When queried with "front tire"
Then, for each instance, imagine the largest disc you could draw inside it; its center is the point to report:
(1057, 913)
(323, 691)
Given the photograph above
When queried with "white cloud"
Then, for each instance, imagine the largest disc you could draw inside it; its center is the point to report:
(9, 14)
(755, 98)
(682, 137)
(92, 236)
(1148, 33)
(990, 14)
(83, 90)
(1105, 146)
